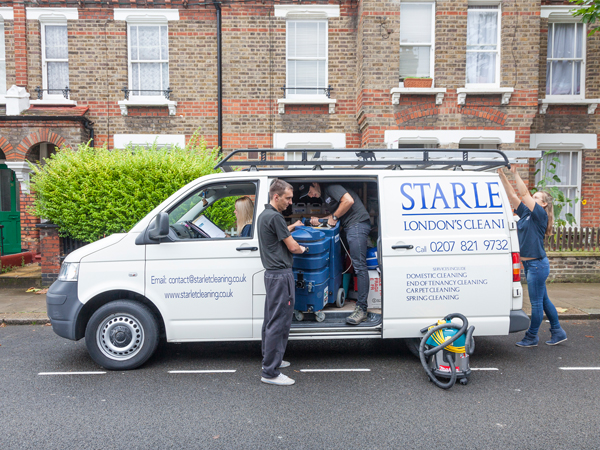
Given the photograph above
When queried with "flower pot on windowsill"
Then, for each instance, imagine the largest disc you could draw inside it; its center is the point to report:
(418, 82)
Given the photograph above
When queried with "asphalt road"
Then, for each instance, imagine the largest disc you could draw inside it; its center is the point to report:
(529, 402)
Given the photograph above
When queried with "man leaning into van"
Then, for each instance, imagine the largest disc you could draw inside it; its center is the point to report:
(276, 248)
(350, 211)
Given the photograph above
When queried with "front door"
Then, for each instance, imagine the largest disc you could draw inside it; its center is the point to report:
(10, 217)
(201, 279)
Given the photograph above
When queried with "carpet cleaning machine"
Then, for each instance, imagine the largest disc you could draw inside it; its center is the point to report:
(445, 350)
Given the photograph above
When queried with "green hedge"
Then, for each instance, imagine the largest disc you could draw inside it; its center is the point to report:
(93, 192)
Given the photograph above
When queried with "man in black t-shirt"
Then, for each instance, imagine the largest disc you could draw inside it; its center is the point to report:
(276, 248)
(350, 211)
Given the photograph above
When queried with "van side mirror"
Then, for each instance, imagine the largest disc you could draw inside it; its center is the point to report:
(159, 227)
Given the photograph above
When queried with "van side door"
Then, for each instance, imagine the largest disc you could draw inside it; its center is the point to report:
(446, 249)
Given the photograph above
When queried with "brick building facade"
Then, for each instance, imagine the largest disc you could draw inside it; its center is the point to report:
(343, 65)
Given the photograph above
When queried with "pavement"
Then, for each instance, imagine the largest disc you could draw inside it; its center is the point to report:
(17, 306)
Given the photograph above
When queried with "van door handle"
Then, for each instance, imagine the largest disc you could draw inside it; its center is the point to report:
(251, 249)
(406, 246)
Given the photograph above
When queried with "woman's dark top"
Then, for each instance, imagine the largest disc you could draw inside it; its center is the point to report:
(246, 231)
(531, 230)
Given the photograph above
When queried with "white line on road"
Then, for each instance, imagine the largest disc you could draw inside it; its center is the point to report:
(71, 373)
(201, 371)
(484, 368)
(579, 368)
(335, 370)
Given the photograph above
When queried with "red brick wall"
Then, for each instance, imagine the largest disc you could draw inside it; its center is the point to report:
(50, 252)
(30, 234)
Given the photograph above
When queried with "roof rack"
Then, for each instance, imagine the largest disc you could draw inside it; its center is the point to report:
(394, 159)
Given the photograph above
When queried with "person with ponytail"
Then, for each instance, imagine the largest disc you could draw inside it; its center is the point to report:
(536, 217)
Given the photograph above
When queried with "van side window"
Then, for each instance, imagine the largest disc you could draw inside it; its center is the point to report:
(216, 211)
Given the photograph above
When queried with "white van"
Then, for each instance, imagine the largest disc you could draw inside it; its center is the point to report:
(446, 240)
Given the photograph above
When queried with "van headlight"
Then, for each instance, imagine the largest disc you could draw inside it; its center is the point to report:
(69, 272)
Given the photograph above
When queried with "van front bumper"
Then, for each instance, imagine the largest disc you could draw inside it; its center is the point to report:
(519, 321)
(63, 307)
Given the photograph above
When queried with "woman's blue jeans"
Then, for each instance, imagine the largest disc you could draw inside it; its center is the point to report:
(536, 272)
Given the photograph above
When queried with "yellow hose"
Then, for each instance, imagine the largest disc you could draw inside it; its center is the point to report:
(439, 339)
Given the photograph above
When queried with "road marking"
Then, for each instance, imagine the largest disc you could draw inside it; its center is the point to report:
(579, 368)
(484, 368)
(71, 373)
(201, 371)
(335, 370)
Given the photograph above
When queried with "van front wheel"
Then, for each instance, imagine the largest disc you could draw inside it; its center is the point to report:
(122, 335)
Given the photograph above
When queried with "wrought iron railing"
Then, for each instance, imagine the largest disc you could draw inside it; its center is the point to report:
(165, 92)
(40, 92)
(68, 245)
(326, 91)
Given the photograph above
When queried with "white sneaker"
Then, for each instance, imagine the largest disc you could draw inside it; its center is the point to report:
(279, 380)
(283, 365)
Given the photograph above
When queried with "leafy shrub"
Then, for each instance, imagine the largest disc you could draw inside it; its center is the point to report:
(221, 213)
(94, 192)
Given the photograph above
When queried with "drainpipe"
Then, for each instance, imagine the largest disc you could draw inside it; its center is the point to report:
(219, 82)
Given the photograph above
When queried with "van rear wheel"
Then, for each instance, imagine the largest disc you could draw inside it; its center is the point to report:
(122, 335)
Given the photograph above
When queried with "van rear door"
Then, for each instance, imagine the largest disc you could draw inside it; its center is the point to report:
(446, 249)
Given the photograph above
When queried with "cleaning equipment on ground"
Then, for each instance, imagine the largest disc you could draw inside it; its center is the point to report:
(445, 350)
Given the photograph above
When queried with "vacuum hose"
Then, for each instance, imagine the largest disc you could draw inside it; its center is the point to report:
(469, 346)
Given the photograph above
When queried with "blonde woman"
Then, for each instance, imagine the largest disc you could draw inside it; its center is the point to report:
(244, 213)
(535, 221)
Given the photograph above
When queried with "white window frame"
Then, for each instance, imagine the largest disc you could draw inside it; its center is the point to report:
(581, 95)
(3, 61)
(6, 13)
(141, 17)
(576, 208)
(130, 62)
(496, 83)
(287, 58)
(431, 44)
(311, 13)
(46, 95)
(51, 16)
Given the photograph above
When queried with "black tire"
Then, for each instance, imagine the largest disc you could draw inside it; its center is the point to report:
(412, 344)
(122, 335)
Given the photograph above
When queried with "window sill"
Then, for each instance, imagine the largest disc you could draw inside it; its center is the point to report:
(397, 92)
(505, 92)
(591, 103)
(148, 102)
(308, 100)
(50, 102)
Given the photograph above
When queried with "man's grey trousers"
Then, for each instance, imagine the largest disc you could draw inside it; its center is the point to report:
(279, 310)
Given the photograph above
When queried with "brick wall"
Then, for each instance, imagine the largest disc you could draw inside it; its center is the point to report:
(50, 252)
(574, 268)
(363, 68)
